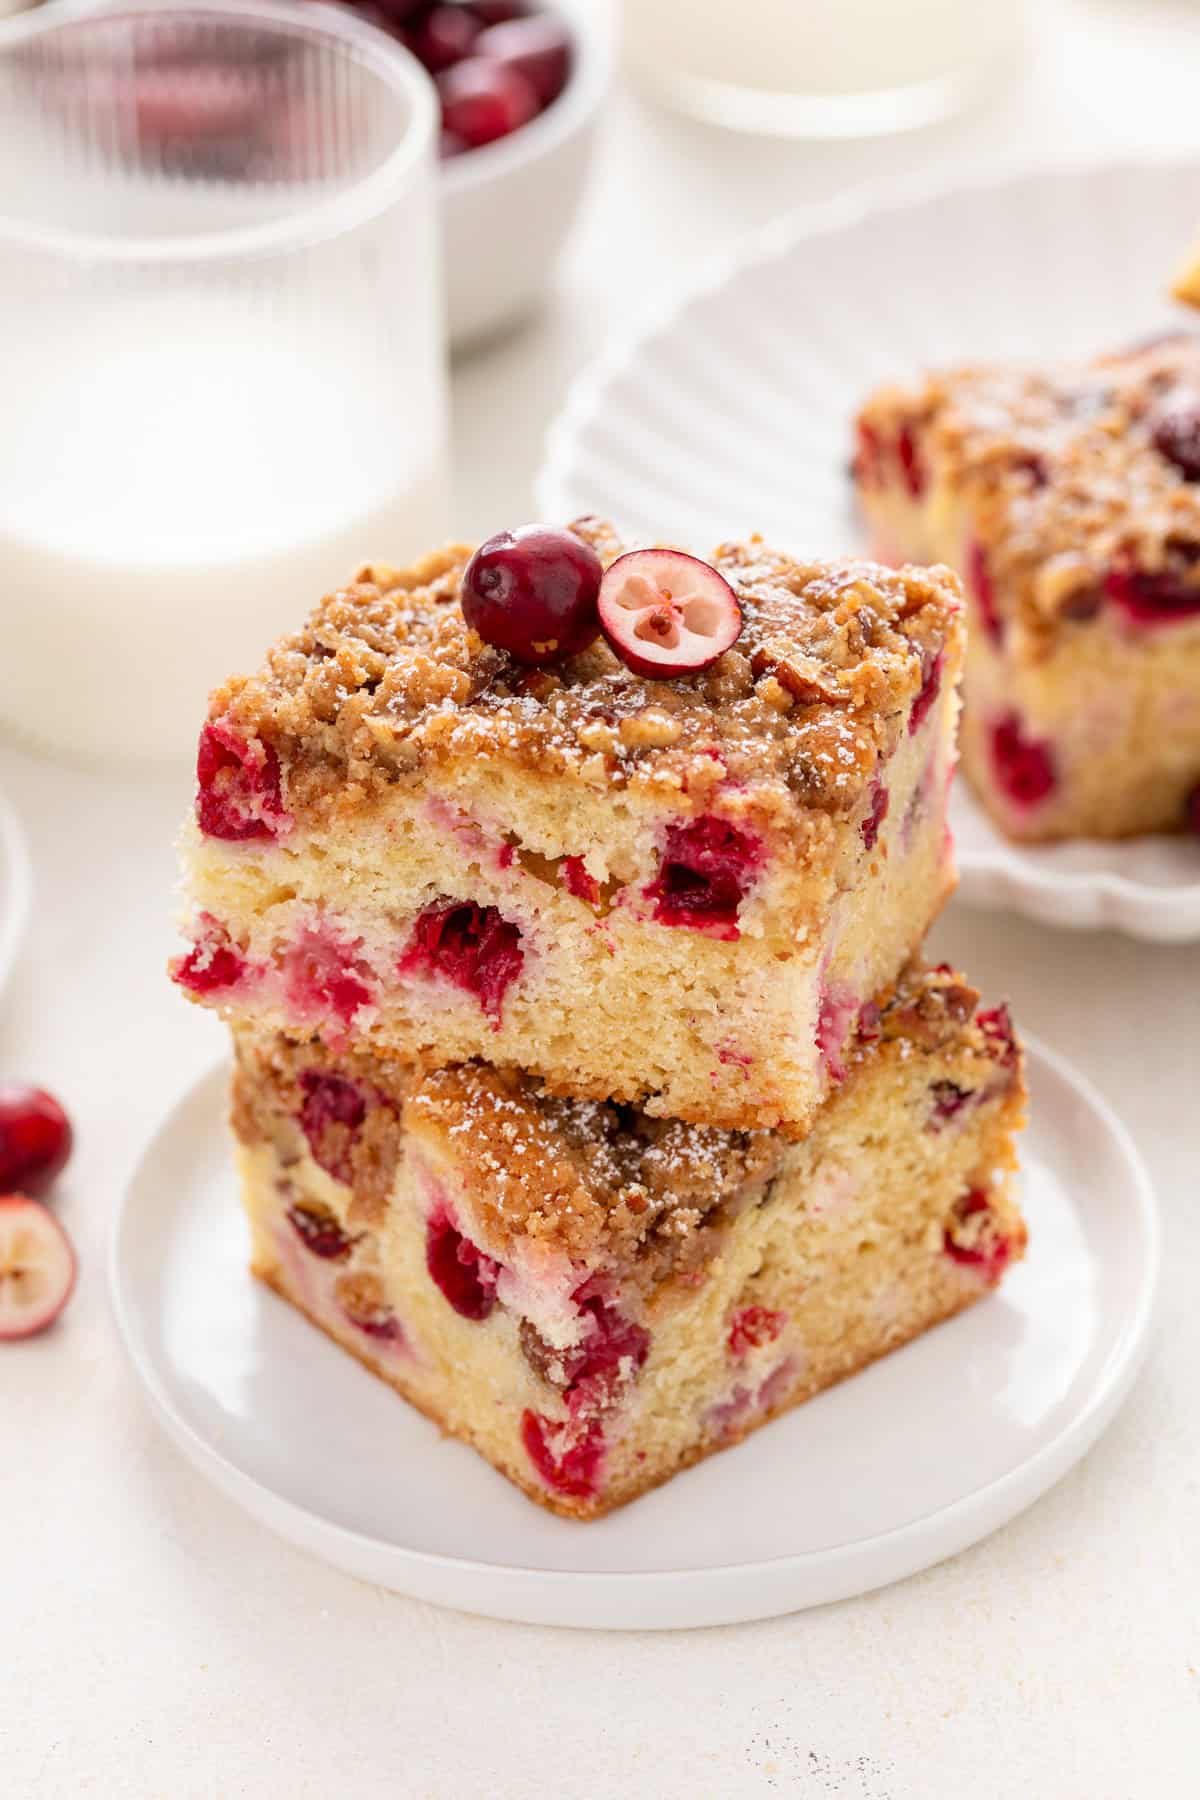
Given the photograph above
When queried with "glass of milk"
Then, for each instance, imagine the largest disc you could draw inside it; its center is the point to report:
(821, 68)
(221, 349)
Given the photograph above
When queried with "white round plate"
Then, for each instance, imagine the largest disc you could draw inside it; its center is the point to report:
(729, 411)
(867, 1483)
(16, 887)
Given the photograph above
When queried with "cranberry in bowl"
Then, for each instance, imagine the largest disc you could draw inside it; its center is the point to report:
(509, 200)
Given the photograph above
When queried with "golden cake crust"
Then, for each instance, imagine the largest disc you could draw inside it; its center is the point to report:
(386, 681)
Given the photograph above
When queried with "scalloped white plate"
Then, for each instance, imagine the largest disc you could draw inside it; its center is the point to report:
(907, 1463)
(729, 411)
(16, 887)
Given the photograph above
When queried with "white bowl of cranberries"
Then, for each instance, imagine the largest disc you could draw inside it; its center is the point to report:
(521, 84)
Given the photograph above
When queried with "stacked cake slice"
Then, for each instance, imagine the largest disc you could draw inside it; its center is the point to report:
(589, 1085)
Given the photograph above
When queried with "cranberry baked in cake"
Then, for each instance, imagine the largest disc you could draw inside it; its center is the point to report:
(595, 1298)
(648, 828)
(1069, 498)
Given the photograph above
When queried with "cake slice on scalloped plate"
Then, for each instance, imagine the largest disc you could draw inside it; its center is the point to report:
(1069, 498)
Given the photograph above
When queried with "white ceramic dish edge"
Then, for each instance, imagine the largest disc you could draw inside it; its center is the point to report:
(551, 485)
(1032, 880)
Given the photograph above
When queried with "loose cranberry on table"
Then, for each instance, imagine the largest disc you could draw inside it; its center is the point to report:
(665, 613)
(37, 1267)
(533, 593)
(35, 1138)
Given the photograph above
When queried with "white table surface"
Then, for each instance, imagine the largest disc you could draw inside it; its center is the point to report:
(157, 1643)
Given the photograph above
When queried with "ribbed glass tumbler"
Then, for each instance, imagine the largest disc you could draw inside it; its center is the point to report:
(221, 348)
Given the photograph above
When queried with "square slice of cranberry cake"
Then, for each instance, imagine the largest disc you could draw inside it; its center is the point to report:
(677, 891)
(1069, 498)
(595, 1298)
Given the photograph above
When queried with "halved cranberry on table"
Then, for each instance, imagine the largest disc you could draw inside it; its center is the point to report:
(533, 592)
(37, 1267)
(667, 614)
(35, 1138)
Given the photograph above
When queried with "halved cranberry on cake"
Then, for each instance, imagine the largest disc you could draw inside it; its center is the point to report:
(1069, 497)
(620, 818)
(595, 1298)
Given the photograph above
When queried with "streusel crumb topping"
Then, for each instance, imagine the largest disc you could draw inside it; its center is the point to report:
(387, 680)
(1067, 472)
(604, 1184)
